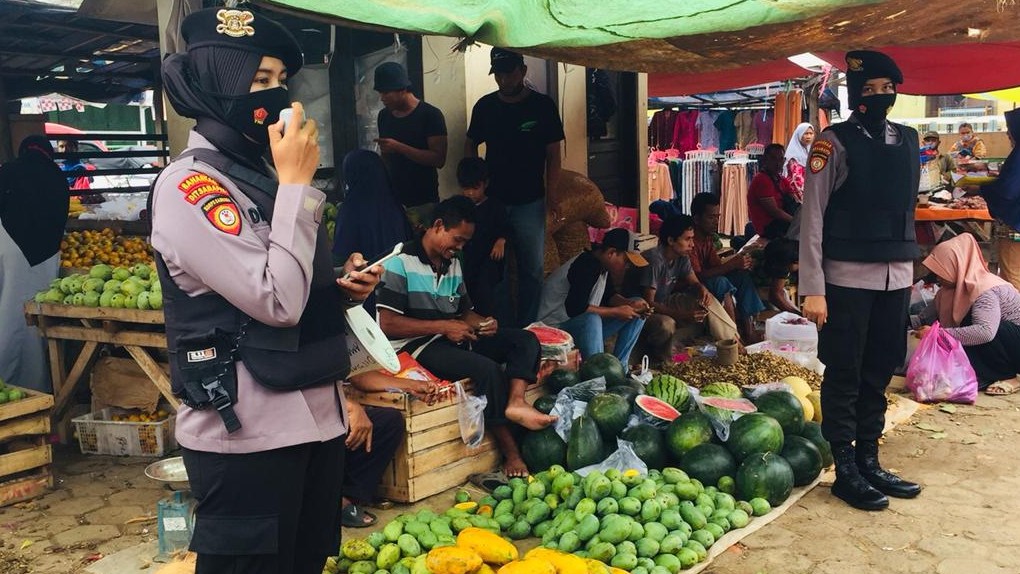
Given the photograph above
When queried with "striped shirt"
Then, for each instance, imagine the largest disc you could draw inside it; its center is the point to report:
(411, 287)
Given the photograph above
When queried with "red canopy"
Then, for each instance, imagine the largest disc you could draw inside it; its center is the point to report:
(927, 70)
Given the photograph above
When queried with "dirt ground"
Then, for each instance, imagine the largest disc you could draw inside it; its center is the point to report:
(966, 521)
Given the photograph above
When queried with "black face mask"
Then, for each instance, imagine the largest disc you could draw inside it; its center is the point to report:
(872, 110)
(252, 114)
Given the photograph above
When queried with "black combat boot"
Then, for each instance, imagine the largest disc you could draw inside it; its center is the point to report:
(883, 480)
(850, 486)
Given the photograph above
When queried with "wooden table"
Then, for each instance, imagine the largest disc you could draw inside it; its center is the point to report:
(138, 332)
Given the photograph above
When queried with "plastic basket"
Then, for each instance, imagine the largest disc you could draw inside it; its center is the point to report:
(98, 434)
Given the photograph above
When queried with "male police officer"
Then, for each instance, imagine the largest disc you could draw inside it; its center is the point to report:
(857, 249)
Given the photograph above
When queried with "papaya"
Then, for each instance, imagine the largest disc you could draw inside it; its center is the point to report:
(492, 548)
(453, 560)
(563, 562)
(528, 566)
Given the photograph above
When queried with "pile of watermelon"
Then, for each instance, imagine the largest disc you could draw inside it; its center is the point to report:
(766, 454)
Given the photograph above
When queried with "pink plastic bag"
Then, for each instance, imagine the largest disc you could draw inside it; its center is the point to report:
(940, 370)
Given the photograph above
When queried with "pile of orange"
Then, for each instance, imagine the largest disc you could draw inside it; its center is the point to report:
(92, 247)
(138, 416)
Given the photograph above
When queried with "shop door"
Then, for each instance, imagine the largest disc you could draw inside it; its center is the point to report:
(612, 135)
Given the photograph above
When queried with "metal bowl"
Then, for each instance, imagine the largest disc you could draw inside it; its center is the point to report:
(169, 471)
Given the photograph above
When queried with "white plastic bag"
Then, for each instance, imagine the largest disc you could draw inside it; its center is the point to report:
(793, 337)
(571, 403)
(623, 458)
(471, 416)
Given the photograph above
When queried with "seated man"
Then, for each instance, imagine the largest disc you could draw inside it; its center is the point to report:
(729, 281)
(373, 436)
(669, 283)
(424, 309)
(579, 298)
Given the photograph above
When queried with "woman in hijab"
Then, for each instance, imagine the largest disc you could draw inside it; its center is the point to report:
(370, 219)
(980, 310)
(254, 313)
(33, 212)
(1003, 198)
(796, 158)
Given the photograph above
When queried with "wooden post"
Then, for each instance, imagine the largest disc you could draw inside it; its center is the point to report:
(6, 145)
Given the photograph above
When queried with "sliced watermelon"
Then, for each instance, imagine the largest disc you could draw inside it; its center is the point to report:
(735, 405)
(656, 412)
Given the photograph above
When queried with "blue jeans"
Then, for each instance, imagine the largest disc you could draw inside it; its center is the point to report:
(589, 332)
(527, 224)
(745, 294)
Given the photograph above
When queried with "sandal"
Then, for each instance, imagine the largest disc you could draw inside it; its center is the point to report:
(488, 481)
(1002, 388)
(353, 517)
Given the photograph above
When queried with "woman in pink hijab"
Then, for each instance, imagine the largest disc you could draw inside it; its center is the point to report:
(979, 309)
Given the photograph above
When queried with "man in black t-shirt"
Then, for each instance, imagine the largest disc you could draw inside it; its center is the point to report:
(522, 131)
(412, 140)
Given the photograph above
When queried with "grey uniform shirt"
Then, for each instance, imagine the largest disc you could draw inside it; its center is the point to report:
(265, 272)
(816, 270)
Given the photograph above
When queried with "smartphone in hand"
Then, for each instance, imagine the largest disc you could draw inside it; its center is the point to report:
(397, 250)
(287, 115)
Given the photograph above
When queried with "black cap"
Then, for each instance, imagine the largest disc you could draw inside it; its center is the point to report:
(390, 77)
(864, 65)
(245, 30)
(619, 239)
(502, 60)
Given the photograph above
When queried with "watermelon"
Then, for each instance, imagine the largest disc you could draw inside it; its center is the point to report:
(648, 444)
(610, 412)
(584, 445)
(754, 432)
(785, 407)
(545, 404)
(813, 432)
(626, 391)
(603, 365)
(708, 463)
(720, 390)
(804, 459)
(654, 411)
(764, 475)
(686, 432)
(670, 389)
(560, 379)
(742, 406)
(542, 449)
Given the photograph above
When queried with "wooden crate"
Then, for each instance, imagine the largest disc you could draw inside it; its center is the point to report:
(24, 444)
(432, 458)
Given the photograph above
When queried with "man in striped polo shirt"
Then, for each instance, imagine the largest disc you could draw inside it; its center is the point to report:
(424, 308)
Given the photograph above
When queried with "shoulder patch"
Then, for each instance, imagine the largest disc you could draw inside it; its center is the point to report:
(199, 185)
(222, 212)
(819, 157)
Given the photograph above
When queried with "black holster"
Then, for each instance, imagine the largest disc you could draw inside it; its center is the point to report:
(208, 375)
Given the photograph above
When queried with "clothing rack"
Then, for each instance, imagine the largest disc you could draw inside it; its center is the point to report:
(697, 176)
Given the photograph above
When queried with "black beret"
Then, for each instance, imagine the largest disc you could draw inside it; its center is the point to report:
(864, 65)
(245, 30)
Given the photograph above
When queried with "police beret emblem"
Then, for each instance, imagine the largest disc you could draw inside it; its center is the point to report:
(855, 65)
(235, 23)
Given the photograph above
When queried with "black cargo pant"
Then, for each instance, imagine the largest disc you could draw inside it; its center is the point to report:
(363, 470)
(272, 512)
(861, 344)
(998, 359)
(484, 362)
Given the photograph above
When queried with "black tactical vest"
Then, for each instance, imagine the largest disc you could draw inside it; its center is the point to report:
(870, 218)
(311, 353)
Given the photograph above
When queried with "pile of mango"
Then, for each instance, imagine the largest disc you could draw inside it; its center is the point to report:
(136, 287)
(10, 394)
(89, 247)
(75, 207)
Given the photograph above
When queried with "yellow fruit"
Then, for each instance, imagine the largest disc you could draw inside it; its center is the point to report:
(797, 385)
(596, 567)
(614, 570)
(528, 566)
(809, 409)
(471, 507)
(564, 563)
(815, 397)
(493, 548)
(453, 560)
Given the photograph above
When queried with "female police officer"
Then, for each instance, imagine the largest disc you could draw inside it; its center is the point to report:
(254, 314)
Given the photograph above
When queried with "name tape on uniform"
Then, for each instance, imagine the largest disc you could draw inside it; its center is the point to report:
(199, 185)
(820, 152)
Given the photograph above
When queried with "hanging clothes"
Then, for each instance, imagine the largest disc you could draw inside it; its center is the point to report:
(744, 123)
(708, 133)
(685, 131)
(763, 123)
(789, 113)
(727, 131)
(698, 177)
(660, 129)
(659, 184)
(779, 118)
(733, 215)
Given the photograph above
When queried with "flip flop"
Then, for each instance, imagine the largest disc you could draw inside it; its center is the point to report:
(488, 481)
(353, 517)
(1003, 388)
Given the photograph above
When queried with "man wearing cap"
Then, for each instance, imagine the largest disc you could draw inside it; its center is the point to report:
(579, 298)
(945, 164)
(412, 140)
(522, 131)
(254, 313)
(857, 248)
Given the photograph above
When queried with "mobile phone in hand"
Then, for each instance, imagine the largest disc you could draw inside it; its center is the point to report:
(287, 115)
(397, 250)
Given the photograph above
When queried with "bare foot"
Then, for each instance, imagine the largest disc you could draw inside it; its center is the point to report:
(514, 466)
(527, 416)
